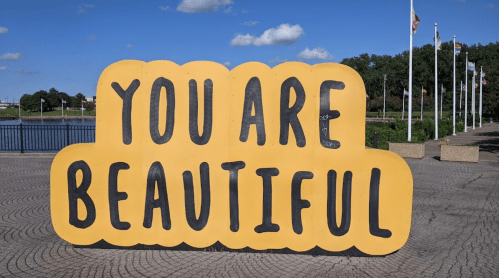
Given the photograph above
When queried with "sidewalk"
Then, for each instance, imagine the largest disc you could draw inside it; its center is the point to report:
(487, 137)
(454, 230)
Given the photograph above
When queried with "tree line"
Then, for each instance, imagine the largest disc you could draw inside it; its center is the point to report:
(372, 69)
(53, 99)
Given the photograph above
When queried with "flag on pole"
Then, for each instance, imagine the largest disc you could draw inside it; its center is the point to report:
(415, 21)
(438, 42)
(444, 90)
(458, 48)
(43, 100)
(406, 93)
(483, 79)
(471, 66)
(63, 101)
(476, 85)
(424, 91)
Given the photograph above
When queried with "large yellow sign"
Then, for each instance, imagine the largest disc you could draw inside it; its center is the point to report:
(254, 157)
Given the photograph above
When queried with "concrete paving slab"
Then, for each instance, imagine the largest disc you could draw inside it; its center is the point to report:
(454, 231)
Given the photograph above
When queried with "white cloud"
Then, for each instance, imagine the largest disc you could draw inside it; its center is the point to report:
(84, 8)
(3, 30)
(250, 23)
(243, 40)
(278, 60)
(228, 10)
(23, 71)
(128, 46)
(317, 53)
(11, 56)
(164, 8)
(245, 11)
(284, 34)
(92, 37)
(2, 68)
(227, 64)
(202, 6)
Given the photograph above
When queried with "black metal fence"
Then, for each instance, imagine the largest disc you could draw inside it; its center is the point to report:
(29, 138)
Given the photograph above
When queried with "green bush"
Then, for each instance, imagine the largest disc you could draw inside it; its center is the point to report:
(396, 132)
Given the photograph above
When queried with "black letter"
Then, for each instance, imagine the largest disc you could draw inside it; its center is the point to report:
(289, 114)
(115, 196)
(126, 111)
(193, 112)
(346, 206)
(253, 96)
(80, 192)
(190, 210)
(297, 204)
(154, 110)
(374, 207)
(233, 168)
(157, 174)
(267, 225)
(326, 115)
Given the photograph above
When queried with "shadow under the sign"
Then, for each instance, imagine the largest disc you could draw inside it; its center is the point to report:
(218, 247)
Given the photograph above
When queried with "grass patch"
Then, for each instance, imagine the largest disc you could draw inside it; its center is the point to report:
(415, 114)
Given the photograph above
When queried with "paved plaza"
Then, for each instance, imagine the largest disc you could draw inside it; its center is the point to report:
(454, 232)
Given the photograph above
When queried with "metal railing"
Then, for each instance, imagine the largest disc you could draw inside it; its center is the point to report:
(43, 137)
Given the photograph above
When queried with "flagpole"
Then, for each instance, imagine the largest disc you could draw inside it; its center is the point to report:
(441, 99)
(422, 93)
(481, 82)
(384, 96)
(460, 98)
(473, 98)
(62, 109)
(41, 107)
(454, 93)
(403, 105)
(409, 122)
(466, 97)
(436, 86)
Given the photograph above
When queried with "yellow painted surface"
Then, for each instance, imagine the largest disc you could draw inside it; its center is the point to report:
(181, 154)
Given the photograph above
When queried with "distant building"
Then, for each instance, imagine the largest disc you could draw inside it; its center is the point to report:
(90, 99)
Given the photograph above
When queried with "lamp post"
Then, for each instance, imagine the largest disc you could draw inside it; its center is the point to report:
(436, 86)
(422, 93)
(466, 97)
(454, 93)
(41, 107)
(481, 82)
(384, 96)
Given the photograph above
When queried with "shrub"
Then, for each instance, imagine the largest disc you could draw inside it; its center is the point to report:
(396, 132)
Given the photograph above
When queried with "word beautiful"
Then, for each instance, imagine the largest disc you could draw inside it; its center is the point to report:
(137, 184)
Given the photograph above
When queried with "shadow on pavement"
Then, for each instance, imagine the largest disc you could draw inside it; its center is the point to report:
(218, 247)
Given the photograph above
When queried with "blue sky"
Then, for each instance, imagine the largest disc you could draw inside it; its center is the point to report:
(67, 44)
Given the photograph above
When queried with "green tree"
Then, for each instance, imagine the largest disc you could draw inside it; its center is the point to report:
(28, 102)
(53, 100)
(372, 68)
(37, 101)
(76, 101)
